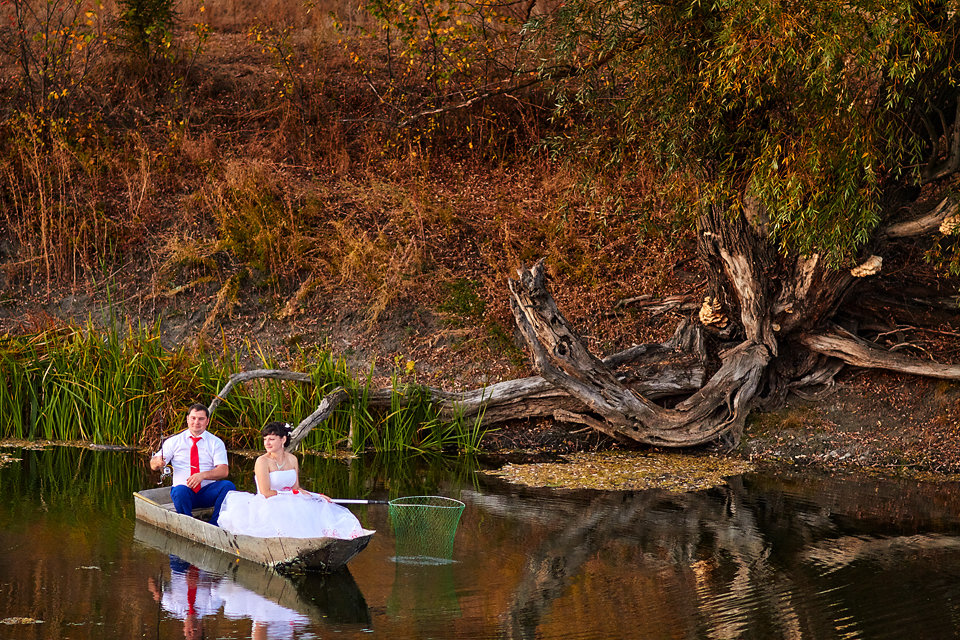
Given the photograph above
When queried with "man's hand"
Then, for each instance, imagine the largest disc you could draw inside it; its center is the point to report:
(194, 480)
(219, 472)
(156, 462)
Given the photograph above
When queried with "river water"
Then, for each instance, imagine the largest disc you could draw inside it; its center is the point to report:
(774, 555)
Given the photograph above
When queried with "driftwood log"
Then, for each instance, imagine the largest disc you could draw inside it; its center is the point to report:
(246, 376)
(323, 411)
(770, 325)
(657, 370)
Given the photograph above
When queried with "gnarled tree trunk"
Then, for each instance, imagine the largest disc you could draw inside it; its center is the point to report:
(611, 406)
(771, 329)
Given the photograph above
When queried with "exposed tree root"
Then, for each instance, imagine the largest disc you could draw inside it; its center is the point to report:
(673, 368)
(845, 346)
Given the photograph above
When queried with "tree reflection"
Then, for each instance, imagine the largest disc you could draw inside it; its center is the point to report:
(736, 559)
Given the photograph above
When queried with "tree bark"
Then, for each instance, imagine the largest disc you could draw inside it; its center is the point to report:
(720, 406)
(329, 403)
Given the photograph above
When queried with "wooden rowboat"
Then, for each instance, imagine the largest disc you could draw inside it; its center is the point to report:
(155, 507)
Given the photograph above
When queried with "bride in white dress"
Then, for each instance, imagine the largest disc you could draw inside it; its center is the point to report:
(280, 508)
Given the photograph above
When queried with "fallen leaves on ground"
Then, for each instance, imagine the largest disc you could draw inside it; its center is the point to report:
(20, 620)
(624, 471)
(19, 443)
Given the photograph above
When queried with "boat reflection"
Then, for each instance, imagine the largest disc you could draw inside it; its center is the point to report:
(204, 583)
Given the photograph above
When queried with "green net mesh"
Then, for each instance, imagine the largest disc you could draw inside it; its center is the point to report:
(424, 527)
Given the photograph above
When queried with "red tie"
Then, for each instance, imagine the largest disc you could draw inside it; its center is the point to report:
(193, 575)
(195, 459)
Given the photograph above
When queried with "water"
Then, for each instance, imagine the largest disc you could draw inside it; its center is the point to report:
(786, 555)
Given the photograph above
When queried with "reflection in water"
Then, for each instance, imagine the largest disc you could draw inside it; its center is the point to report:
(66, 478)
(188, 594)
(424, 590)
(846, 551)
(736, 562)
(779, 555)
(269, 619)
(206, 582)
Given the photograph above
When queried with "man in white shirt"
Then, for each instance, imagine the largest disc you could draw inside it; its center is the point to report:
(199, 461)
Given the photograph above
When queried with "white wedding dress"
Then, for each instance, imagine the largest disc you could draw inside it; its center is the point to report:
(287, 514)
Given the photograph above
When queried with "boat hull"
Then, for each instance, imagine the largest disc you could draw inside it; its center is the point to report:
(155, 507)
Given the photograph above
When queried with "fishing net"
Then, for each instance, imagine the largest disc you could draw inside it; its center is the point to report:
(424, 527)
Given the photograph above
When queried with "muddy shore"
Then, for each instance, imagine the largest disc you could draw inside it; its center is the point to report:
(869, 421)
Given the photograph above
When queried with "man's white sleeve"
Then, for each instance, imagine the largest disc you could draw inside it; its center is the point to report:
(167, 449)
(219, 453)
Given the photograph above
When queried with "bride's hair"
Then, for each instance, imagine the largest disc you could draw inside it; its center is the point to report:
(281, 429)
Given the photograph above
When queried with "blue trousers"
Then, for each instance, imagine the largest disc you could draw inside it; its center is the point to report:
(212, 495)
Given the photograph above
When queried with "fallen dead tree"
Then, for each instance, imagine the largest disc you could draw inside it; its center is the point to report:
(658, 370)
(324, 409)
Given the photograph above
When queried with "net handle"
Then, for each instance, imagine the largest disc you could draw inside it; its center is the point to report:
(458, 504)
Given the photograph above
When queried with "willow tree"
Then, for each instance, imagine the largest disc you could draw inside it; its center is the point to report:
(791, 123)
(804, 134)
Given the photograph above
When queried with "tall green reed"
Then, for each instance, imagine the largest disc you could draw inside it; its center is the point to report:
(121, 386)
(15, 401)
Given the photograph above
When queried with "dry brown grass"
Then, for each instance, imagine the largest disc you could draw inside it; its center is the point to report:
(259, 186)
(52, 210)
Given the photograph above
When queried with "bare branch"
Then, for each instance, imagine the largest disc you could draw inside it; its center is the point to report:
(562, 73)
(681, 302)
(924, 224)
(324, 410)
(845, 346)
(244, 376)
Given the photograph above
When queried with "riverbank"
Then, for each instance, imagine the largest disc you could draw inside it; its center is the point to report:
(869, 420)
(869, 423)
(227, 215)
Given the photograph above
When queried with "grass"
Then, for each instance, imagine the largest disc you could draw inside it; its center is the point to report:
(275, 181)
(462, 301)
(251, 175)
(122, 387)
